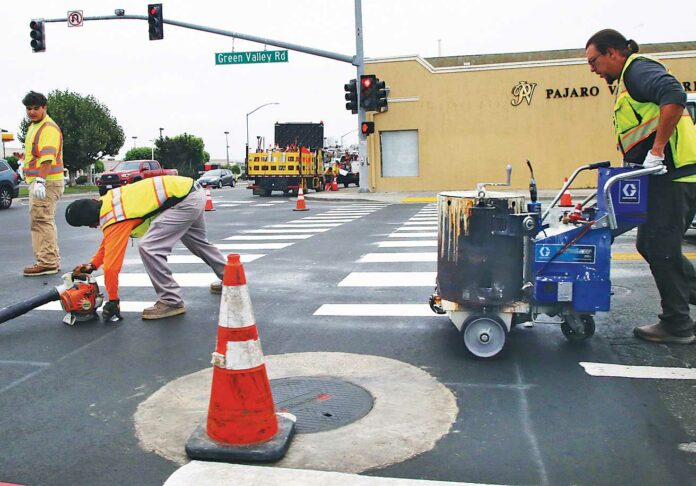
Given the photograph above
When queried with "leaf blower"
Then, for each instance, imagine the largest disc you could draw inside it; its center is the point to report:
(78, 294)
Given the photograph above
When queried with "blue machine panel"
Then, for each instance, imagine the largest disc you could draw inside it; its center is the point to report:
(577, 272)
(629, 198)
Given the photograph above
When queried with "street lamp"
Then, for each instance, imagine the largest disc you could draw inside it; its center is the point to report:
(354, 130)
(134, 139)
(246, 158)
(161, 130)
(227, 146)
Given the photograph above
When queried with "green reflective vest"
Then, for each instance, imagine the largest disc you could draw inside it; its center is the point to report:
(635, 121)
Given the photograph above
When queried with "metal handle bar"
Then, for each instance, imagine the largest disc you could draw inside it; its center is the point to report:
(596, 165)
(611, 215)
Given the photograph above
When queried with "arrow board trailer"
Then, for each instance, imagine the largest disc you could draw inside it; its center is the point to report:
(499, 265)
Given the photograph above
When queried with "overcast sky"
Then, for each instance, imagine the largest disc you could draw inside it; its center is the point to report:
(174, 83)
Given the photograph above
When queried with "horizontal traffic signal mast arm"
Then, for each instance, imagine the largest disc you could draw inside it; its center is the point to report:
(260, 40)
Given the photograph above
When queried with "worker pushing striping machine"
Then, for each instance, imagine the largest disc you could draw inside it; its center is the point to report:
(500, 265)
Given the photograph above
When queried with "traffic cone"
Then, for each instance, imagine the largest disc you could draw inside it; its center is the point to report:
(208, 200)
(300, 206)
(566, 198)
(334, 185)
(241, 411)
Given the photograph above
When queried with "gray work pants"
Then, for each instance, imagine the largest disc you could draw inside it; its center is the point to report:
(185, 222)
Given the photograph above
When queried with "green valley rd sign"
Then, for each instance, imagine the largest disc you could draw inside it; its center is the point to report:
(251, 57)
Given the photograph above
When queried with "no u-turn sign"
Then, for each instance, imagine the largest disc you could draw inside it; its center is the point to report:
(75, 18)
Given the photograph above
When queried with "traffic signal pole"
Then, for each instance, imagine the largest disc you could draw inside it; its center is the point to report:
(357, 61)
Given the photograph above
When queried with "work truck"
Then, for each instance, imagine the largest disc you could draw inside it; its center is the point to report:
(294, 161)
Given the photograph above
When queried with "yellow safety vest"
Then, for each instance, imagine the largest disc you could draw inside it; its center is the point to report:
(143, 199)
(635, 121)
(43, 142)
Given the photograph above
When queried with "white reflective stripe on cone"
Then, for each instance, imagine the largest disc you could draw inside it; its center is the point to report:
(235, 307)
(243, 355)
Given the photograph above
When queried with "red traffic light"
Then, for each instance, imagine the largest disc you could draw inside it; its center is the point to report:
(367, 128)
(366, 82)
(153, 11)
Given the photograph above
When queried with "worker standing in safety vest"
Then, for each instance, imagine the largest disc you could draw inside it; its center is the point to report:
(43, 170)
(653, 128)
(162, 210)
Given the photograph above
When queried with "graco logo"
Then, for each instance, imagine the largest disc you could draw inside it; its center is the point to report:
(523, 91)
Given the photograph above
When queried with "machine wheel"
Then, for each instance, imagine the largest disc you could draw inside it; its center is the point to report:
(588, 325)
(5, 197)
(484, 336)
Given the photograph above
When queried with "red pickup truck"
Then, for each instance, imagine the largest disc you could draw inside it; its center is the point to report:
(130, 171)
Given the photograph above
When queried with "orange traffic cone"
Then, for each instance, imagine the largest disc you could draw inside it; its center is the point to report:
(241, 411)
(301, 206)
(334, 185)
(566, 198)
(208, 200)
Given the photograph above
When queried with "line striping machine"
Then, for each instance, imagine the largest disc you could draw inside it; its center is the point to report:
(499, 264)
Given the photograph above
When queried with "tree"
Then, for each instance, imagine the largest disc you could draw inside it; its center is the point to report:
(184, 153)
(140, 153)
(90, 132)
(99, 166)
(235, 169)
(13, 161)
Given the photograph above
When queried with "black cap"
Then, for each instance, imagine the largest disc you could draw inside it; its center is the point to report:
(83, 212)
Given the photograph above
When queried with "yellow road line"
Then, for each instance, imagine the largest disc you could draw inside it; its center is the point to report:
(636, 256)
(419, 200)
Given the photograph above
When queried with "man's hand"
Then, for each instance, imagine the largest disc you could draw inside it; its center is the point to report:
(39, 188)
(112, 311)
(652, 160)
(82, 269)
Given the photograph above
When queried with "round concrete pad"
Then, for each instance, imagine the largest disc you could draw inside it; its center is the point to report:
(412, 412)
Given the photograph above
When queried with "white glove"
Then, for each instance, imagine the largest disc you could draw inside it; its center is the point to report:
(39, 188)
(655, 161)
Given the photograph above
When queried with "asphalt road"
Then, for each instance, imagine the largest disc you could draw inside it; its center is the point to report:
(68, 395)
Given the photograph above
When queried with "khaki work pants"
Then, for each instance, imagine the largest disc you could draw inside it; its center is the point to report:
(42, 221)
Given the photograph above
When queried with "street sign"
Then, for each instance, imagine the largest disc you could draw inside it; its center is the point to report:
(250, 57)
(75, 18)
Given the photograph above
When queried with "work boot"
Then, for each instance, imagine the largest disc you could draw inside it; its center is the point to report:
(656, 333)
(216, 287)
(38, 269)
(161, 310)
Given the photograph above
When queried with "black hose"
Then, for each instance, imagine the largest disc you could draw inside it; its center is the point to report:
(15, 310)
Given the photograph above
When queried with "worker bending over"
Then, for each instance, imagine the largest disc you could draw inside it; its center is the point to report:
(161, 210)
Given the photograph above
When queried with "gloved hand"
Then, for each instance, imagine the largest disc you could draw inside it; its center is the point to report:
(112, 311)
(39, 188)
(83, 268)
(654, 161)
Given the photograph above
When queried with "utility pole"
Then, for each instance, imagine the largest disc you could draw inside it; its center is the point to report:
(359, 63)
(227, 146)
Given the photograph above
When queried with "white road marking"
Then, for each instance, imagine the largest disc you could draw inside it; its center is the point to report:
(245, 258)
(251, 246)
(417, 228)
(267, 237)
(688, 447)
(286, 230)
(416, 223)
(652, 372)
(143, 280)
(406, 244)
(375, 310)
(263, 204)
(227, 205)
(320, 220)
(126, 305)
(428, 234)
(398, 257)
(389, 279)
(305, 224)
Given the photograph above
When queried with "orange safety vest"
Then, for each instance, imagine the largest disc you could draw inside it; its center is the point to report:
(40, 149)
(144, 199)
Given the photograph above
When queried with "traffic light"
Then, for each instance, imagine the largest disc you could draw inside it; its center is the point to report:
(351, 96)
(155, 21)
(38, 37)
(367, 128)
(368, 92)
(381, 96)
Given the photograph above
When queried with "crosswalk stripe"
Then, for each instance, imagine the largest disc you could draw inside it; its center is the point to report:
(406, 244)
(267, 237)
(389, 279)
(416, 228)
(227, 205)
(398, 257)
(428, 234)
(245, 258)
(252, 246)
(286, 230)
(143, 280)
(305, 224)
(653, 372)
(375, 310)
(321, 220)
(125, 305)
(417, 223)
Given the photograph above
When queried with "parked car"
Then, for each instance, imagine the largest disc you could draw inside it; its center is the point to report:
(9, 184)
(217, 178)
(130, 171)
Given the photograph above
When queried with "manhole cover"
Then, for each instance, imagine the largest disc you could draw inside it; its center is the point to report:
(321, 403)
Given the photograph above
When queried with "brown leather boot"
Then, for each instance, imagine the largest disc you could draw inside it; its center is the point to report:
(656, 333)
(38, 269)
(161, 310)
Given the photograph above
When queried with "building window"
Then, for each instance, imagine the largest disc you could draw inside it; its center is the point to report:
(399, 151)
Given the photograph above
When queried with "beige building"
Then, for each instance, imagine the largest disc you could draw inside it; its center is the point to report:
(455, 121)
